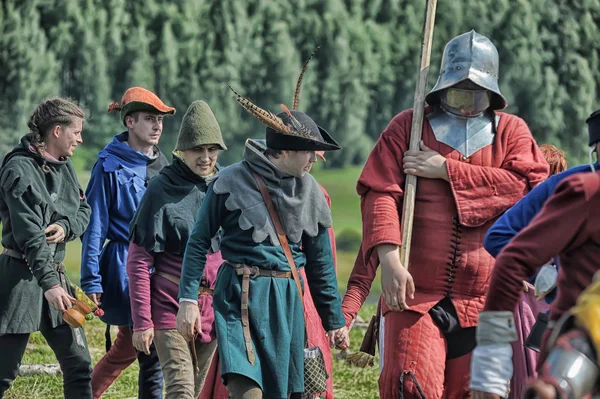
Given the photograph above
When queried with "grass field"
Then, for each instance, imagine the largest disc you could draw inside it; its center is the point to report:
(341, 186)
(349, 382)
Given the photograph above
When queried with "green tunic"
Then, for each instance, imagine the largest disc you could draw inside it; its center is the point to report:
(275, 311)
(30, 201)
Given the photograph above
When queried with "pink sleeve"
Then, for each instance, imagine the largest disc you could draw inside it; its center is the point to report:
(359, 285)
(139, 262)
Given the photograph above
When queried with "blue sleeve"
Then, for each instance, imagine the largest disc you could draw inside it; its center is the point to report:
(322, 280)
(194, 260)
(99, 194)
(517, 217)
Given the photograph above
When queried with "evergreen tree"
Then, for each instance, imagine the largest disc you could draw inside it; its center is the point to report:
(364, 73)
(228, 54)
(29, 70)
(136, 59)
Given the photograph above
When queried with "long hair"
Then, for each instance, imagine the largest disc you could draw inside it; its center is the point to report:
(555, 158)
(48, 114)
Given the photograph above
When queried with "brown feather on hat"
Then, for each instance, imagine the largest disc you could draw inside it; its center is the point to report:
(299, 83)
(269, 118)
(290, 130)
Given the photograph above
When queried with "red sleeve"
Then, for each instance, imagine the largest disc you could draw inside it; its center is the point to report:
(359, 286)
(559, 226)
(482, 193)
(331, 232)
(326, 194)
(333, 247)
(381, 186)
(139, 262)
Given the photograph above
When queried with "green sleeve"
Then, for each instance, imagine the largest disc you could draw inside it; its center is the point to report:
(207, 225)
(28, 232)
(322, 280)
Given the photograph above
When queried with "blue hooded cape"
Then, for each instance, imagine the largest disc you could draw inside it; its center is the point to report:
(117, 184)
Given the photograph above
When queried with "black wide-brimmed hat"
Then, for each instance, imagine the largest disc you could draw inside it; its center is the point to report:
(291, 130)
(594, 127)
(315, 138)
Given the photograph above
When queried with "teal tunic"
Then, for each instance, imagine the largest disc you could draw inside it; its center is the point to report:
(30, 201)
(275, 310)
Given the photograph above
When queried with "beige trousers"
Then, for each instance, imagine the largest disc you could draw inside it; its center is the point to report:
(176, 362)
(241, 387)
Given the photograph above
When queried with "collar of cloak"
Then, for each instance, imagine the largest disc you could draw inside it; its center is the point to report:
(25, 148)
(165, 217)
(299, 201)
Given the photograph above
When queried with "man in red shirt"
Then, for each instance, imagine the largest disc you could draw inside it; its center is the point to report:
(474, 163)
(568, 227)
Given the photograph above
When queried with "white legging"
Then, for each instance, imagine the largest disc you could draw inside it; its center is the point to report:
(381, 337)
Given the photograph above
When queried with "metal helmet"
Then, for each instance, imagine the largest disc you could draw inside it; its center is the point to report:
(469, 56)
(570, 366)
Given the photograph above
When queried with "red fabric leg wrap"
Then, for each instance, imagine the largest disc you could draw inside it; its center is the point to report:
(213, 385)
(414, 347)
(120, 356)
(458, 376)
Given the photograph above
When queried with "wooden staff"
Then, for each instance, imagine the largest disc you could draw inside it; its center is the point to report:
(364, 359)
(416, 131)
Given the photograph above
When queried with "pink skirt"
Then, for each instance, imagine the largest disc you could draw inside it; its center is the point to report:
(525, 360)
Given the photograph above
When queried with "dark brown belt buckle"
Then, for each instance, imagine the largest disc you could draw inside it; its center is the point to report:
(255, 271)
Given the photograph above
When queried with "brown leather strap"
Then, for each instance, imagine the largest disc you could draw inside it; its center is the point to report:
(255, 271)
(13, 254)
(176, 280)
(170, 277)
(192, 346)
(58, 267)
(245, 316)
(280, 234)
(248, 272)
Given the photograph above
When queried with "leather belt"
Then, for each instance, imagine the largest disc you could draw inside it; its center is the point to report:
(59, 267)
(176, 280)
(248, 272)
(13, 254)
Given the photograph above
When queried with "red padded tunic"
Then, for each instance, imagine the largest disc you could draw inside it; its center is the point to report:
(451, 219)
(447, 254)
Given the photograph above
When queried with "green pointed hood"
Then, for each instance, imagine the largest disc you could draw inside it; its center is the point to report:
(199, 127)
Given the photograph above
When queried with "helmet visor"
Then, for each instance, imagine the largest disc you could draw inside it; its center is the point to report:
(465, 102)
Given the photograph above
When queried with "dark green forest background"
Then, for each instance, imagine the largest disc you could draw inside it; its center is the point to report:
(364, 73)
